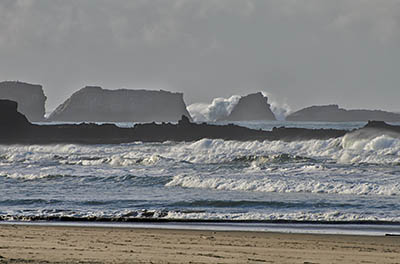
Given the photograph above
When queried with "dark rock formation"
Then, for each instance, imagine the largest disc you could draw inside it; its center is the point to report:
(13, 124)
(99, 105)
(251, 107)
(23, 132)
(9, 115)
(30, 98)
(381, 125)
(332, 113)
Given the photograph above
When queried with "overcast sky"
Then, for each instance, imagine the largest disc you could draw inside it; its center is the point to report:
(302, 52)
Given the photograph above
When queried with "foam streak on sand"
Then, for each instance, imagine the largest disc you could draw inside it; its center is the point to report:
(49, 244)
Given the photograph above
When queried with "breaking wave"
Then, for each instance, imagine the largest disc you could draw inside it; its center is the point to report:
(350, 149)
(352, 178)
(284, 185)
(380, 150)
(174, 215)
(218, 109)
(330, 216)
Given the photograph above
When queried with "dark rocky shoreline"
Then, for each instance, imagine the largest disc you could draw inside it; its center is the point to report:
(16, 129)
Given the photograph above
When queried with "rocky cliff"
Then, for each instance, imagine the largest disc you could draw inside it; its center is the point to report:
(30, 98)
(100, 105)
(251, 107)
(10, 116)
(332, 113)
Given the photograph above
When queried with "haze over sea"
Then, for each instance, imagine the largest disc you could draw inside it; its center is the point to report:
(346, 179)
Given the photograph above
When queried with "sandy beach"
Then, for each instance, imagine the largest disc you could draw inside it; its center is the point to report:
(58, 244)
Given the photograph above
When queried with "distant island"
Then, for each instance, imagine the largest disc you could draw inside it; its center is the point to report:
(252, 107)
(96, 104)
(30, 98)
(332, 113)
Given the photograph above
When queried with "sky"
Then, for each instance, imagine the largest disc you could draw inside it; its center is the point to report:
(302, 53)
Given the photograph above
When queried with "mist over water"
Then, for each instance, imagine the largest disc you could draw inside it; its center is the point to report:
(352, 178)
(280, 109)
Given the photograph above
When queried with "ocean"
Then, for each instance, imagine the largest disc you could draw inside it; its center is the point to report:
(351, 179)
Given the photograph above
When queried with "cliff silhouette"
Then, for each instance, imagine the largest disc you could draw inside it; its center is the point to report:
(333, 113)
(16, 129)
(95, 104)
(30, 98)
(251, 107)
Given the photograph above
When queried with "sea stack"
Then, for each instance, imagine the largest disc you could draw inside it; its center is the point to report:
(9, 115)
(95, 104)
(251, 107)
(29, 97)
(332, 113)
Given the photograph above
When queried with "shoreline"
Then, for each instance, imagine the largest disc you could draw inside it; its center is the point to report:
(151, 219)
(83, 244)
(328, 228)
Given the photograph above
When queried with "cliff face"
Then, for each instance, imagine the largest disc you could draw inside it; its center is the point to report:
(251, 107)
(332, 113)
(13, 124)
(99, 105)
(30, 98)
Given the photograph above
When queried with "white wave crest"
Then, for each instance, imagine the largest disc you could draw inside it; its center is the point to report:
(218, 109)
(263, 183)
(290, 216)
(379, 150)
(297, 215)
(370, 146)
(21, 176)
(117, 160)
(350, 149)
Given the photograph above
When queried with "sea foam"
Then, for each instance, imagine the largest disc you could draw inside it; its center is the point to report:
(381, 149)
(296, 184)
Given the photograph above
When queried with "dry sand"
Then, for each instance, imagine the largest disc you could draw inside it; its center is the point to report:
(55, 244)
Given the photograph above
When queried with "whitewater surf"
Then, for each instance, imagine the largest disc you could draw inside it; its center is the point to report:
(349, 179)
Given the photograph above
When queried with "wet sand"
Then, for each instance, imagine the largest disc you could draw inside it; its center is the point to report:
(57, 244)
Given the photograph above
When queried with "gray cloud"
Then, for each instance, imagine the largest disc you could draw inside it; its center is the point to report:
(303, 52)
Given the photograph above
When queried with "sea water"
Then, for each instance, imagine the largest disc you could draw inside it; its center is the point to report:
(348, 179)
